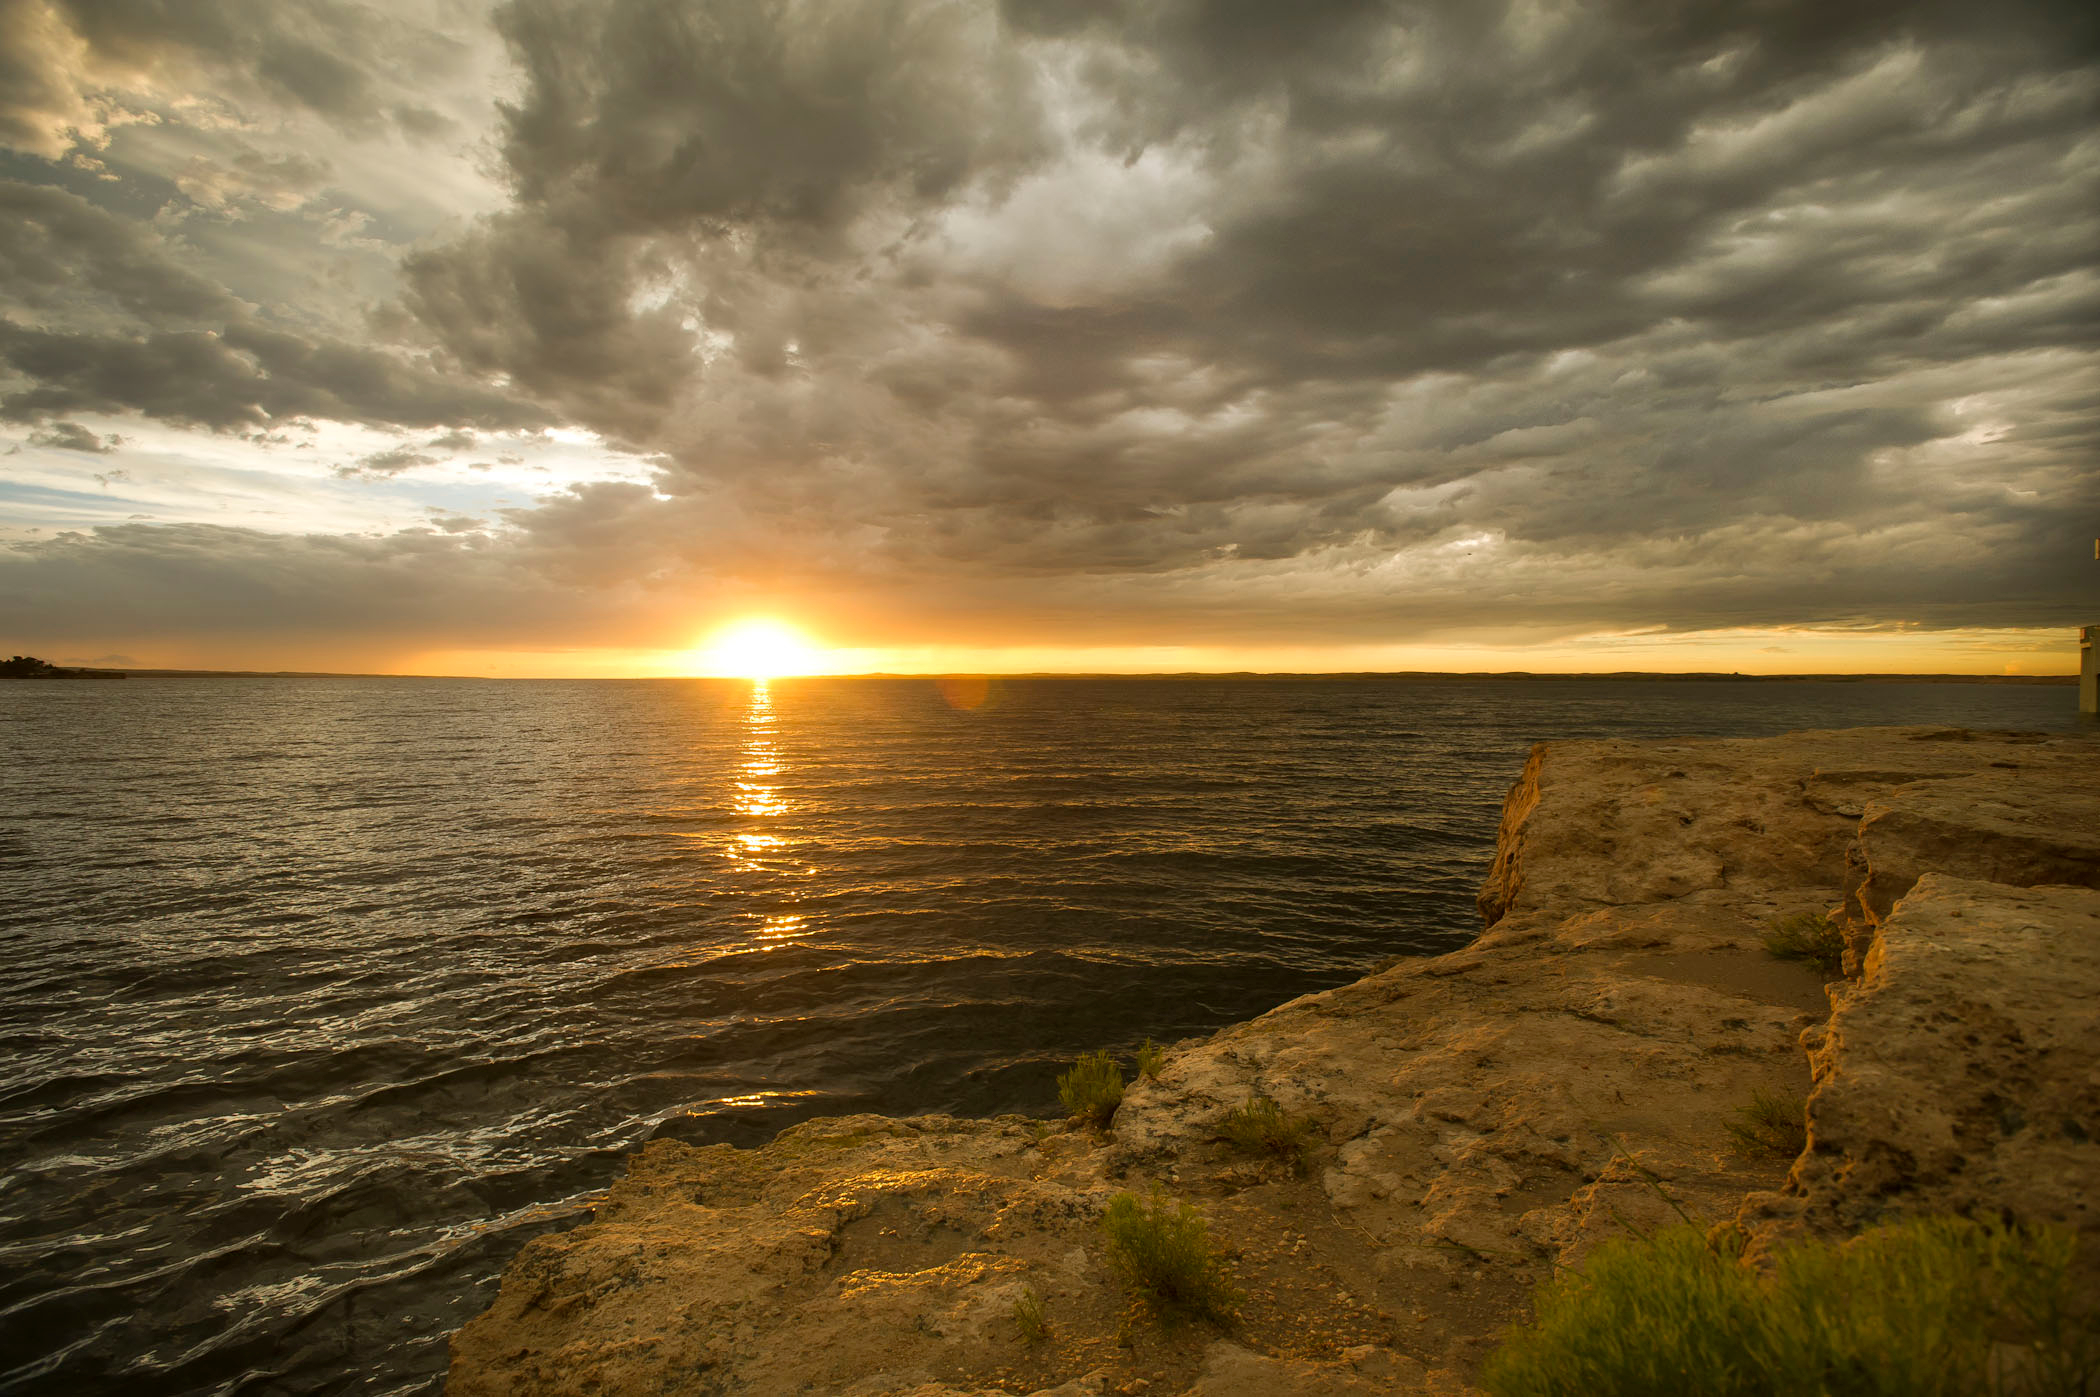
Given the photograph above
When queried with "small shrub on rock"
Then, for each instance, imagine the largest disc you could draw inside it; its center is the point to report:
(1773, 1122)
(1092, 1090)
(1161, 1250)
(1030, 1319)
(1261, 1127)
(1934, 1307)
(1151, 1059)
(1809, 937)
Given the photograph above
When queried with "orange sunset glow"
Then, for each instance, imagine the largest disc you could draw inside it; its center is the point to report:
(758, 647)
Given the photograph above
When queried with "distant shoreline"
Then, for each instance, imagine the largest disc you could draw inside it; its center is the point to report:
(1705, 676)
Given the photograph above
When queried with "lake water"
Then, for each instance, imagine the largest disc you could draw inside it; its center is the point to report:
(320, 997)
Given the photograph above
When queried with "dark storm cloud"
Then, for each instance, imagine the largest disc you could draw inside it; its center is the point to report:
(573, 568)
(63, 258)
(648, 115)
(526, 301)
(1501, 199)
(1585, 274)
(199, 579)
(649, 130)
(243, 376)
(101, 317)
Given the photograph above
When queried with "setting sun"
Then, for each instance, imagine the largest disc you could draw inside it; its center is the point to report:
(759, 648)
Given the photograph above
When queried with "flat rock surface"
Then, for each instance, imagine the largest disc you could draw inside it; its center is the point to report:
(1471, 1120)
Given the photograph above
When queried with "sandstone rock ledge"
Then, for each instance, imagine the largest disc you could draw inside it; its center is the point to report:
(1486, 1114)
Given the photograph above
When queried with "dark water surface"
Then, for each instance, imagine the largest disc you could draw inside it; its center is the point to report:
(318, 998)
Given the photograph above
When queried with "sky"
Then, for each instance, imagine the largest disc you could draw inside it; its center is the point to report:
(551, 337)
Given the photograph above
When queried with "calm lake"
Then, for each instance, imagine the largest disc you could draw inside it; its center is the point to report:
(320, 997)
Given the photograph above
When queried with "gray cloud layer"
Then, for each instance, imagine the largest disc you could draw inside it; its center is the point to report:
(1349, 321)
(355, 65)
(124, 327)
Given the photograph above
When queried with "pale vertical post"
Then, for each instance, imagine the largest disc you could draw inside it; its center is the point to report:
(2089, 671)
(2089, 662)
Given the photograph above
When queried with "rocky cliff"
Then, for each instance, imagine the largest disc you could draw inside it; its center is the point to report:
(1480, 1117)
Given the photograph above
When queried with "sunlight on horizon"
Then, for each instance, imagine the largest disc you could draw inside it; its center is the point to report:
(758, 647)
(1750, 650)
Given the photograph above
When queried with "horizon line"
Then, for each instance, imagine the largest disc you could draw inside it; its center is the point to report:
(1885, 676)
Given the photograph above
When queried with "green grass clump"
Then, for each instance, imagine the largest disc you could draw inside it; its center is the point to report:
(1937, 1307)
(1809, 937)
(1264, 1128)
(1151, 1059)
(1772, 1122)
(1029, 1316)
(1161, 1251)
(1092, 1090)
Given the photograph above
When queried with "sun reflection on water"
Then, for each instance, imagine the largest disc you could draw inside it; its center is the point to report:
(756, 795)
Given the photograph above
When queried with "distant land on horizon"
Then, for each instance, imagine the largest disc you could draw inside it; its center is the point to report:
(1708, 676)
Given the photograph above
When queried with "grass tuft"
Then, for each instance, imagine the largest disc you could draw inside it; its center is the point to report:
(1935, 1307)
(1151, 1059)
(1264, 1128)
(1773, 1122)
(1092, 1090)
(1809, 937)
(1029, 1317)
(1162, 1252)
